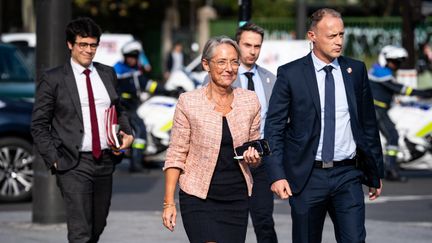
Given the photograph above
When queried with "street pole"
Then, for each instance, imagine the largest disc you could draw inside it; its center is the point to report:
(301, 20)
(411, 16)
(52, 18)
(245, 10)
(1, 18)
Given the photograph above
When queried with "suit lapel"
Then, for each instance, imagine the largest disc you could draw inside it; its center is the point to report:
(349, 87)
(311, 82)
(266, 82)
(70, 83)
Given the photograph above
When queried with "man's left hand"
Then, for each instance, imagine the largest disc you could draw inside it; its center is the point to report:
(374, 193)
(127, 140)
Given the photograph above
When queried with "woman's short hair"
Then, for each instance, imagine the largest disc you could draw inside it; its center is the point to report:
(210, 46)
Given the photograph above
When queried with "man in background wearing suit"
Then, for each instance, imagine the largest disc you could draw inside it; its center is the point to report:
(249, 37)
(322, 129)
(69, 132)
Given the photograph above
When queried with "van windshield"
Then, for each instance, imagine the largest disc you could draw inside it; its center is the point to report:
(12, 66)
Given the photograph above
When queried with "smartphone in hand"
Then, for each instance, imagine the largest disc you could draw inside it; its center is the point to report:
(261, 146)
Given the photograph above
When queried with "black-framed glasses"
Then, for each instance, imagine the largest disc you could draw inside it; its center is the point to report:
(224, 63)
(84, 45)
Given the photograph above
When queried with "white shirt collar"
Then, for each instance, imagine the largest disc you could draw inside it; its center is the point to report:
(80, 69)
(242, 69)
(319, 65)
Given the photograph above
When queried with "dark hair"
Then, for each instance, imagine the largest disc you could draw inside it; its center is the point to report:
(84, 27)
(318, 15)
(249, 27)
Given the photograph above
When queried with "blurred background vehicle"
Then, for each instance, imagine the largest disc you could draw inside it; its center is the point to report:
(26, 43)
(108, 53)
(16, 79)
(16, 153)
(158, 110)
(413, 122)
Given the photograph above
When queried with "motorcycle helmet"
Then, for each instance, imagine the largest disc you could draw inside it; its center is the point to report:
(391, 53)
(132, 48)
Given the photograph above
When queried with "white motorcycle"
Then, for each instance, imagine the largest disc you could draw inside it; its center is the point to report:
(413, 122)
(158, 111)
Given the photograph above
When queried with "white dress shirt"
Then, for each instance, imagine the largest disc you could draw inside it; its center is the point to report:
(102, 102)
(345, 147)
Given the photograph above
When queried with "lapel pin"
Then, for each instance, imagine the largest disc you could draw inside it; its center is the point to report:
(268, 80)
(349, 70)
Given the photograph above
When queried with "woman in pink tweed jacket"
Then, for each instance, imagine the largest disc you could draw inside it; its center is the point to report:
(208, 124)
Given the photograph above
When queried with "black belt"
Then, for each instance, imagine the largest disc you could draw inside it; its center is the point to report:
(345, 162)
(104, 151)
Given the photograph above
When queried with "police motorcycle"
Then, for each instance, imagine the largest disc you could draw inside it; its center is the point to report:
(413, 120)
(157, 111)
(405, 122)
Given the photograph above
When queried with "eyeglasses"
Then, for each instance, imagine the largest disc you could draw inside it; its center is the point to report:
(84, 45)
(224, 63)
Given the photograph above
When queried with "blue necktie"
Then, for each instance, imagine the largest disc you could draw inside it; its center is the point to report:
(329, 116)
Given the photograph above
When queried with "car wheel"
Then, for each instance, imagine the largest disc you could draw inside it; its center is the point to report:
(16, 169)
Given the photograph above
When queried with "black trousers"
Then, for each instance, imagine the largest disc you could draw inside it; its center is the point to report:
(261, 206)
(336, 191)
(87, 190)
(388, 129)
(140, 132)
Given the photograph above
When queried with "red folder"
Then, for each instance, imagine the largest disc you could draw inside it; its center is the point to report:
(112, 127)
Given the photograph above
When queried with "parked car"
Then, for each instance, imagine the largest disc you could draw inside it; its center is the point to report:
(16, 154)
(26, 43)
(16, 79)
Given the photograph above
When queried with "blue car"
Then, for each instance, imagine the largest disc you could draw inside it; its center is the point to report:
(16, 154)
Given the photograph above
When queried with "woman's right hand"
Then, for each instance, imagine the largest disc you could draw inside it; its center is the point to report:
(169, 216)
(169, 206)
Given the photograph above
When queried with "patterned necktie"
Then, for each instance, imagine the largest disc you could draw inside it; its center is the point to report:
(329, 116)
(249, 76)
(96, 148)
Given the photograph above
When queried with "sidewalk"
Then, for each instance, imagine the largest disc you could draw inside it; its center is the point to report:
(145, 226)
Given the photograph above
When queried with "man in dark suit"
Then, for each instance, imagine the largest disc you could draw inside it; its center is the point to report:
(249, 37)
(322, 129)
(69, 132)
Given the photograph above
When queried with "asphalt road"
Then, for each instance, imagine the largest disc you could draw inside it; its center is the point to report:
(402, 202)
(402, 214)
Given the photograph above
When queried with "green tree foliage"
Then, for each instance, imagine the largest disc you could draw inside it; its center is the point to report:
(260, 8)
(110, 7)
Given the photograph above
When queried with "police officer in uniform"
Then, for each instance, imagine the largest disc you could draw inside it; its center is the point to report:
(132, 85)
(384, 87)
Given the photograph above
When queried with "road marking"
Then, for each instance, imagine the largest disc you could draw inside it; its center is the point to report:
(384, 199)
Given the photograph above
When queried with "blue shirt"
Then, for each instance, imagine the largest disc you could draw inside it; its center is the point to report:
(259, 90)
(122, 68)
(345, 147)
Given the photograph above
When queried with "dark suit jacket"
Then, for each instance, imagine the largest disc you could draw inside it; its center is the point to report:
(293, 122)
(57, 121)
